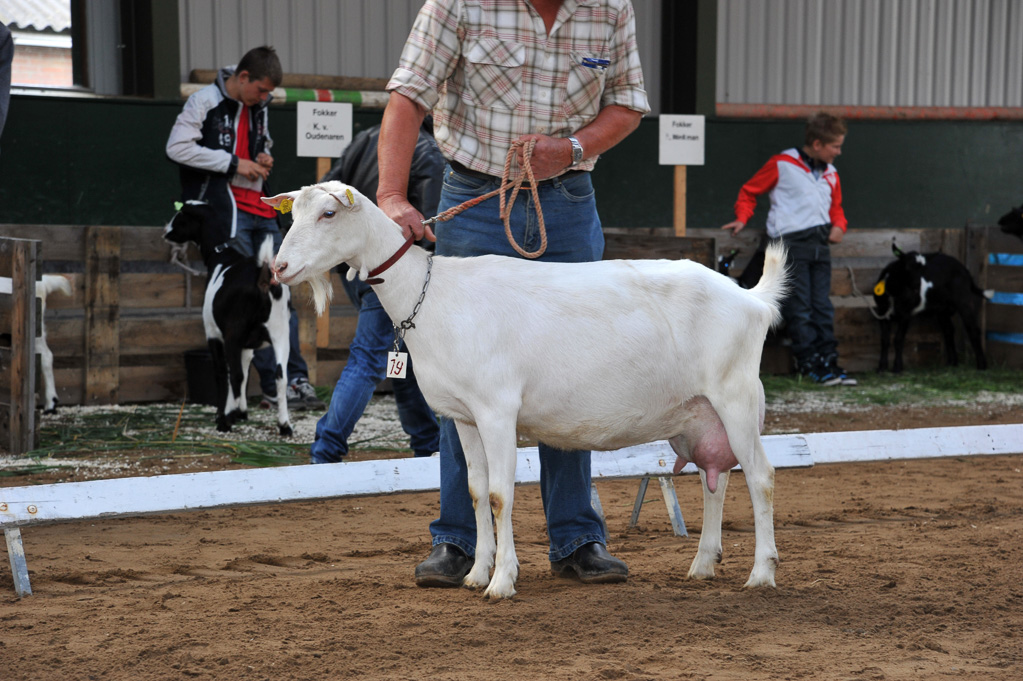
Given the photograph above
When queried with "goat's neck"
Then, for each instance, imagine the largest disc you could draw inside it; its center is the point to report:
(403, 281)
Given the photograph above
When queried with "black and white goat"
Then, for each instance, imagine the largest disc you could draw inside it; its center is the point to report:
(933, 283)
(243, 310)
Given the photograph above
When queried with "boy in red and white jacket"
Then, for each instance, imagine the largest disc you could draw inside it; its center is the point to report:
(806, 214)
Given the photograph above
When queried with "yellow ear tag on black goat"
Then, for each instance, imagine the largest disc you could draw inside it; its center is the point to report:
(285, 206)
(879, 289)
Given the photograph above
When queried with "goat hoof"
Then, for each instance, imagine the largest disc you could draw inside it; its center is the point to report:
(285, 431)
(237, 415)
(223, 426)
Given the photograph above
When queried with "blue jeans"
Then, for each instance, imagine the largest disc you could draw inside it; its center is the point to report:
(573, 235)
(808, 312)
(252, 231)
(366, 366)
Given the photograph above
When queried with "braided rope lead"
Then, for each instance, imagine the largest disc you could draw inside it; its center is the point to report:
(506, 203)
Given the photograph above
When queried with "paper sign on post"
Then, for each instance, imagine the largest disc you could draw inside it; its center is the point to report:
(324, 128)
(681, 140)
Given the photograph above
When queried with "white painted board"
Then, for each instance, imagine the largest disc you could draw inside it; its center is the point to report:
(193, 491)
(324, 128)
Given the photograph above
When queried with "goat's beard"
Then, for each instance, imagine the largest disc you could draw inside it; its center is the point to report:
(322, 290)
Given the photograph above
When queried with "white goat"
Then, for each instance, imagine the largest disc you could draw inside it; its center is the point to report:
(50, 283)
(597, 355)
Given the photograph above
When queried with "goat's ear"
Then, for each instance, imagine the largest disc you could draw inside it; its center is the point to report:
(281, 202)
(345, 198)
(896, 251)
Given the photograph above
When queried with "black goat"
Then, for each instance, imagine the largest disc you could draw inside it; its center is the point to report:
(1012, 222)
(927, 283)
(243, 310)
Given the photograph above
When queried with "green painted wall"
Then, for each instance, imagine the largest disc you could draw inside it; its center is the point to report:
(87, 161)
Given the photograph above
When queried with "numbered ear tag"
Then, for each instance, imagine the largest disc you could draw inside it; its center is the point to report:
(397, 364)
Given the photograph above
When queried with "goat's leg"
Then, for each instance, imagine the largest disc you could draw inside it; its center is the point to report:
(220, 372)
(235, 373)
(49, 388)
(886, 337)
(900, 341)
(744, 437)
(281, 345)
(948, 334)
(479, 489)
(241, 406)
(499, 447)
(278, 327)
(709, 551)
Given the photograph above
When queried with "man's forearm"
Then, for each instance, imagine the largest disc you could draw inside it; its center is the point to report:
(613, 124)
(399, 132)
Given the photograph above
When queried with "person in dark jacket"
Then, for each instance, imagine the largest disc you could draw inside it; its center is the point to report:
(221, 143)
(374, 335)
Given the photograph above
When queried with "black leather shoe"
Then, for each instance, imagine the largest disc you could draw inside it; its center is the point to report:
(446, 566)
(592, 564)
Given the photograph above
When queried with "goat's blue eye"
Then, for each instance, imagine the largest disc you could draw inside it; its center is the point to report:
(329, 213)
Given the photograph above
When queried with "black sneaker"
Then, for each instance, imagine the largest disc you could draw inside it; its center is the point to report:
(843, 378)
(818, 372)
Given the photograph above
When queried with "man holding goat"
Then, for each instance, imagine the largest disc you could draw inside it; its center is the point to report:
(559, 78)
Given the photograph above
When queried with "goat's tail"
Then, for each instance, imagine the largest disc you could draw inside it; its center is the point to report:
(774, 283)
(52, 283)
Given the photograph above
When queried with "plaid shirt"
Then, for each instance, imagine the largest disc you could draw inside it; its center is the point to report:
(491, 74)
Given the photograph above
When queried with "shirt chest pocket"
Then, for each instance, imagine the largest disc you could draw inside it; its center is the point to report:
(494, 70)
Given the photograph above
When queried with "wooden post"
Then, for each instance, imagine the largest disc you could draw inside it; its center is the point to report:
(102, 314)
(680, 200)
(24, 322)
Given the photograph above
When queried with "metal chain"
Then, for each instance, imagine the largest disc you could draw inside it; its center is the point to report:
(400, 329)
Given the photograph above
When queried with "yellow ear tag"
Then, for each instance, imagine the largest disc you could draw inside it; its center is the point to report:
(351, 199)
(285, 205)
(879, 289)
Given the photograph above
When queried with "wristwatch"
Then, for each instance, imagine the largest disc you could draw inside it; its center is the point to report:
(577, 151)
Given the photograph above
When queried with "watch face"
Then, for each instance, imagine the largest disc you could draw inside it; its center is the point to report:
(577, 150)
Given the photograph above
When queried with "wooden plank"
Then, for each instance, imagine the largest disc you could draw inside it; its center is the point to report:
(170, 336)
(1004, 318)
(629, 247)
(24, 258)
(680, 201)
(154, 290)
(1009, 355)
(63, 242)
(1002, 278)
(102, 328)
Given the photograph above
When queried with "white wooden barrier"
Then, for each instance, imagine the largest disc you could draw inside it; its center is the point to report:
(23, 506)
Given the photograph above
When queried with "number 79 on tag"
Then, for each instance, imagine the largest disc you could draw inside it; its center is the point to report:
(397, 364)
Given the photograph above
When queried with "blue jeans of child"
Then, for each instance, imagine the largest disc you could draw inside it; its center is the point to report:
(252, 231)
(808, 312)
(573, 235)
(366, 366)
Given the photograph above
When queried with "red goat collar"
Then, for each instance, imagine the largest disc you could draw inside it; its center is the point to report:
(374, 279)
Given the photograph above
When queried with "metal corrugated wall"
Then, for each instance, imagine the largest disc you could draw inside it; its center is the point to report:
(963, 53)
(324, 37)
(360, 38)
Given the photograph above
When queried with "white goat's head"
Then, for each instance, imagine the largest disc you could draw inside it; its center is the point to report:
(330, 223)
